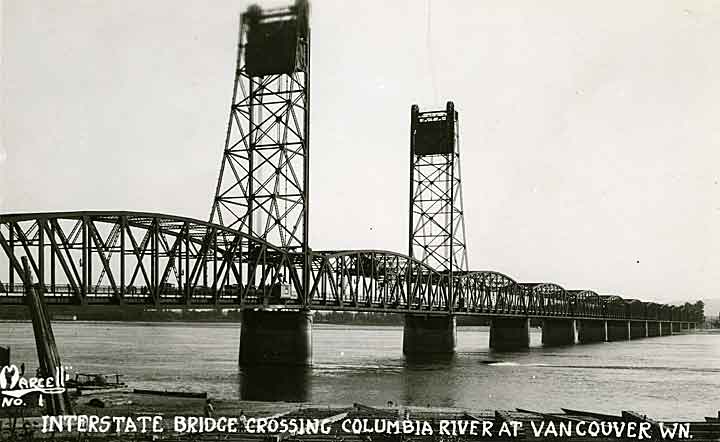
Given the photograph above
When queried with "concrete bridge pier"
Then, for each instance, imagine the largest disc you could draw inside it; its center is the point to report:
(276, 338)
(429, 334)
(638, 329)
(558, 332)
(590, 330)
(508, 334)
(653, 328)
(618, 330)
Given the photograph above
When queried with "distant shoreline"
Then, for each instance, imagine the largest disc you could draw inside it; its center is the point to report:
(63, 313)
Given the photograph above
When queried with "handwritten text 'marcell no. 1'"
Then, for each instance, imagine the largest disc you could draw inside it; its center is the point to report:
(13, 386)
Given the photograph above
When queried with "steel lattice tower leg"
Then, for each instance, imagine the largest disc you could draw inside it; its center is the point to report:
(437, 226)
(263, 185)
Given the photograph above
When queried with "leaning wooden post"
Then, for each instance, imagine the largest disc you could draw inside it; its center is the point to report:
(4, 356)
(47, 351)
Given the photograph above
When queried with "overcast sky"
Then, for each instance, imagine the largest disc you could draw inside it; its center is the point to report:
(590, 134)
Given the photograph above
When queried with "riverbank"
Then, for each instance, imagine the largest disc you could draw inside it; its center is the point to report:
(255, 420)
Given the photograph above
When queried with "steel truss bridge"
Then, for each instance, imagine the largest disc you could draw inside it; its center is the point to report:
(254, 249)
(165, 261)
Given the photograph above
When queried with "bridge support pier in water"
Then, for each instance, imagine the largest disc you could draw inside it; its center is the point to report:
(509, 334)
(558, 332)
(276, 338)
(429, 334)
(590, 330)
(618, 330)
(638, 329)
(653, 328)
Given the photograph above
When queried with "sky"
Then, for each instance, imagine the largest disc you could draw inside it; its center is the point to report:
(590, 143)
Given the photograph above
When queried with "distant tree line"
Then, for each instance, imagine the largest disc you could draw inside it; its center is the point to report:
(136, 313)
(380, 318)
(130, 313)
(143, 314)
(365, 318)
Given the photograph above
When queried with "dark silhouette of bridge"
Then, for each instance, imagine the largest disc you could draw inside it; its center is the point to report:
(253, 253)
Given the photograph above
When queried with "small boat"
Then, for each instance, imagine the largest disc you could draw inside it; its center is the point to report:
(64, 317)
(88, 383)
(185, 394)
(86, 391)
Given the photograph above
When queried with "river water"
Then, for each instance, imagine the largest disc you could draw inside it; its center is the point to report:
(672, 377)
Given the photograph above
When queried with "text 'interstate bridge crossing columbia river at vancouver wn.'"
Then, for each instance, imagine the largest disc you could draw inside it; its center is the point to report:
(253, 251)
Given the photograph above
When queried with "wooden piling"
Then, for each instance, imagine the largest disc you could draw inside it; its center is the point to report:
(48, 355)
(4, 356)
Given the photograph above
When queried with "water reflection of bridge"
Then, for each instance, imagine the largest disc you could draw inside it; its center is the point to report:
(254, 254)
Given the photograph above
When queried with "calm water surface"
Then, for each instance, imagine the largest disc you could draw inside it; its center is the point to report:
(673, 377)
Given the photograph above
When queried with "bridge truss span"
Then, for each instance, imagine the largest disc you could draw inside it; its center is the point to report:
(587, 303)
(139, 258)
(377, 279)
(487, 291)
(166, 261)
(548, 299)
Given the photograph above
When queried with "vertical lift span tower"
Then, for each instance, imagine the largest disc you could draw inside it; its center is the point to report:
(263, 186)
(436, 221)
